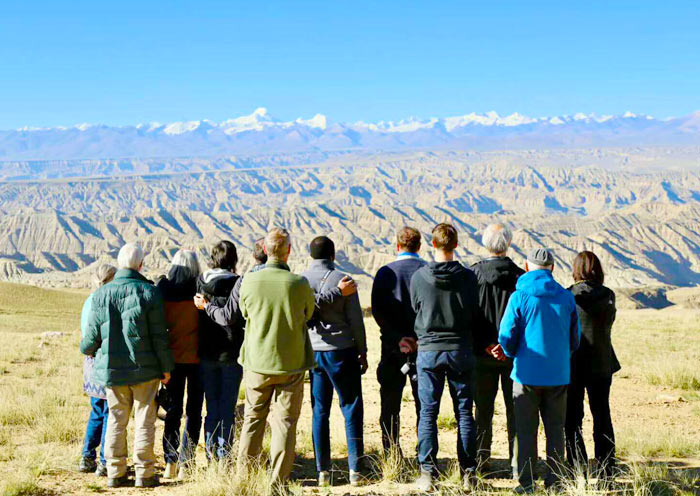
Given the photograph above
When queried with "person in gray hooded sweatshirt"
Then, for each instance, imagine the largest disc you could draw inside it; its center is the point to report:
(337, 333)
(445, 297)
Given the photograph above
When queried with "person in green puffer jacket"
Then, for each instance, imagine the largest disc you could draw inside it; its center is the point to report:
(127, 334)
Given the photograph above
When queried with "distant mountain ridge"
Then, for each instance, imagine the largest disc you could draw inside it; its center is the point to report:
(260, 133)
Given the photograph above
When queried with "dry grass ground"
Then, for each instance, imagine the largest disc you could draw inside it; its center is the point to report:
(656, 410)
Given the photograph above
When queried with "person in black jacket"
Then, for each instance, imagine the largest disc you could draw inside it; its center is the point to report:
(497, 277)
(445, 297)
(393, 312)
(592, 367)
(219, 347)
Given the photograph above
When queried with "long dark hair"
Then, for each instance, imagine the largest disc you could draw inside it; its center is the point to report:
(587, 267)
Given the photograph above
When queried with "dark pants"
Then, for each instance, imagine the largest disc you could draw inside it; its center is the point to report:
(530, 402)
(221, 384)
(184, 375)
(96, 430)
(340, 371)
(391, 384)
(488, 374)
(603, 435)
(433, 368)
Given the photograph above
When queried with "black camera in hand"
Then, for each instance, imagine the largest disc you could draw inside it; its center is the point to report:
(409, 368)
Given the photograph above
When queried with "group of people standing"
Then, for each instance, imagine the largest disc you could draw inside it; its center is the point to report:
(207, 333)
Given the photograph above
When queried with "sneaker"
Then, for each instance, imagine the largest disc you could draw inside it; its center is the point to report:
(324, 478)
(118, 481)
(182, 473)
(425, 482)
(148, 482)
(524, 490)
(470, 481)
(87, 465)
(356, 478)
(101, 470)
(170, 471)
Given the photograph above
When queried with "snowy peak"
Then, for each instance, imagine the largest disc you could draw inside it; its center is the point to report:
(260, 132)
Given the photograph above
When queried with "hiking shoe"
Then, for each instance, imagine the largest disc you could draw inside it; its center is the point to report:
(356, 478)
(170, 471)
(469, 480)
(148, 482)
(425, 482)
(101, 470)
(118, 481)
(87, 465)
(524, 490)
(324, 478)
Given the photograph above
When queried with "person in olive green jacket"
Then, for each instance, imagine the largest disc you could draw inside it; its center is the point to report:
(127, 334)
(275, 355)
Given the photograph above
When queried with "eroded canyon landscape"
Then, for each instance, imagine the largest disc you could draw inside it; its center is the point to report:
(638, 208)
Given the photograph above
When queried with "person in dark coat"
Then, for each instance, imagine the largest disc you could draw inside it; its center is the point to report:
(592, 366)
(178, 289)
(497, 276)
(394, 314)
(219, 347)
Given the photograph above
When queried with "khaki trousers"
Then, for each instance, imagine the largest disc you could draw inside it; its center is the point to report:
(141, 398)
(281, 396)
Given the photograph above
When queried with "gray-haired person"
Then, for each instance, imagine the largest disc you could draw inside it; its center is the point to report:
(497, 276)
(97, 423)
(127, 334)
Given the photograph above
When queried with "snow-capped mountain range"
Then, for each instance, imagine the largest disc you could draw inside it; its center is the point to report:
(260, 133)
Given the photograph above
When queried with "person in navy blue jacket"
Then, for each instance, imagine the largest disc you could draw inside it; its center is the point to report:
(392, 310)
(540, 330)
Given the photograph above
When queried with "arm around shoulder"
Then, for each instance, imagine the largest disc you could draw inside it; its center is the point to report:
(511, 327)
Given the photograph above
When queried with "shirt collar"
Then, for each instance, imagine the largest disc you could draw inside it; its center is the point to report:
(277, 264)
(405, 255)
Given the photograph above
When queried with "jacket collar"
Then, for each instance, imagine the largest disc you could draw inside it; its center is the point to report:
(407, 255)
(322, 263)
(130, 274)
(276, 264)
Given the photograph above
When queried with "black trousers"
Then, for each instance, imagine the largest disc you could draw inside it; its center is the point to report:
(391, 384)
(598, 389)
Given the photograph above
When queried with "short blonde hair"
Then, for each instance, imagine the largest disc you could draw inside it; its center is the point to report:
(277, 243)
(104, 273)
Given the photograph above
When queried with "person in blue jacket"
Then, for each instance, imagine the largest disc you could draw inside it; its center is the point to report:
(540, 330)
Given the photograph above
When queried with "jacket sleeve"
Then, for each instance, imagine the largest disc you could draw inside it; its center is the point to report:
(158, 332)
(310, 307)
(353, 315)
(229, 314)
(91, 340)
(574, 327)
(511, 328)
(328, 296)
(380, 302)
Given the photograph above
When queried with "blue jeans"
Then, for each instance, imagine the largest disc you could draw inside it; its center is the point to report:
(433, 368)
(96, 430)
(339, 370)
(183, 375)
(221, 383)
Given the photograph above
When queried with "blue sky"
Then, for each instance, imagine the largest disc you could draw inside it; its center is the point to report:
(125, 62)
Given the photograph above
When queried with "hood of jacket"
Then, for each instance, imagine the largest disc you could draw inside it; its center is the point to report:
(211, 280)
(538, 283)
(592, 297)
(446, 275)
(498, 271)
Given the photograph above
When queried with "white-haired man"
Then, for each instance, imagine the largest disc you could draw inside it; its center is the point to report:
(275, 356)
(497, 276)
(127, 334)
